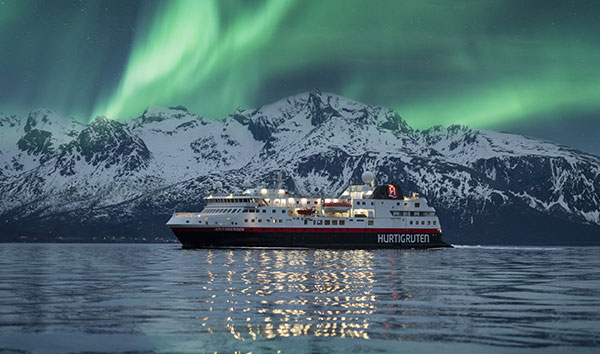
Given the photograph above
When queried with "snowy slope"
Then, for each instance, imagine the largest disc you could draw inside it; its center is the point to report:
(126, 177)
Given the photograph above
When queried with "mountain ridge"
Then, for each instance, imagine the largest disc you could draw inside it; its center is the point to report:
(126, 177)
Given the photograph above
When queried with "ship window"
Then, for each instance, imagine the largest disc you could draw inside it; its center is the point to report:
(259, 220)
(428, 222)
(283, 211)
(412, 213)
(305, 222)
(411, 222)
(206, 222)
(334, 222)
(327, 222)
(316, 202)
(264, 210)
(398, 203)
(434, 222)
(373, 203)
(417, 205)
(405, 204)
(253, 220)
(245, 220)
(319, 222)
(187, 221)
(423, 222)
(280, 221)
(370, 222)
(342, 222)
(274, 210)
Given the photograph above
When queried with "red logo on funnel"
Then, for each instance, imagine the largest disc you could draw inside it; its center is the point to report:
(392, 192)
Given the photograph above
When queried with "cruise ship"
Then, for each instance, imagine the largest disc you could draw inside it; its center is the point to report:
(363, 217)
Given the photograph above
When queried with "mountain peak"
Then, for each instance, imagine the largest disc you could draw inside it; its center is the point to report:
(46, 119)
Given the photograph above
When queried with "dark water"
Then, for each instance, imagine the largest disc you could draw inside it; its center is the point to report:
(160, 298)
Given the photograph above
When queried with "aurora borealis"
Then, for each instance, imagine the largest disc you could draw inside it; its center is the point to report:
(528, 67)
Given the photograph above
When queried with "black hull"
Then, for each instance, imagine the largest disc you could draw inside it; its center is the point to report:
(198, 238)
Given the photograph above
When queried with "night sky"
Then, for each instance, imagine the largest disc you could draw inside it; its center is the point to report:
(530, 67)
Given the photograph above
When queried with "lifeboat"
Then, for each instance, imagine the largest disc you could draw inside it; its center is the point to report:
(306, 211)
(336, 207)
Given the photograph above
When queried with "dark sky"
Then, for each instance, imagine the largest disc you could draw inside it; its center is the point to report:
(530, 67)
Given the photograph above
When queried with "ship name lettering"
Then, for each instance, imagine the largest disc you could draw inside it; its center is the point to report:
(402, 238)
(229, 229)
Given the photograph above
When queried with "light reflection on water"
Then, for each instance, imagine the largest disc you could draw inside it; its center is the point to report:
(70, 298)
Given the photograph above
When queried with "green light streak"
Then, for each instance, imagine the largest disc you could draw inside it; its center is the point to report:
(186, 52)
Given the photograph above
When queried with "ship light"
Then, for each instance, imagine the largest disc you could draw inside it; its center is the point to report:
(345, 193)
(303, 201)
(228, 218)
(327, 200)
(290, 200)
(263, 191)
(369, 192)
(335, 200)
(281, 191)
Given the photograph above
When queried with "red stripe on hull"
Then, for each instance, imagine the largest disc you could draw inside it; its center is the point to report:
(302, 229)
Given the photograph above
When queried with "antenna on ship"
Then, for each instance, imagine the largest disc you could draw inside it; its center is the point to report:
(368, 178)
(218, 185)
(279, 179)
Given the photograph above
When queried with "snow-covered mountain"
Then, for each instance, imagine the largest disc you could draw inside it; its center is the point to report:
(60, 178)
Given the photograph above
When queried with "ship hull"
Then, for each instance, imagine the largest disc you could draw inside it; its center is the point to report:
(293, 238)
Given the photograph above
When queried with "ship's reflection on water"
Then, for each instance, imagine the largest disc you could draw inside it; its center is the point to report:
(283, 293)
(161, 298)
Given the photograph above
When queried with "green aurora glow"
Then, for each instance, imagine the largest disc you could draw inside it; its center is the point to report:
(483, 63)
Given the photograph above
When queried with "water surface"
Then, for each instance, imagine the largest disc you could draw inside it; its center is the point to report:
(161, 298)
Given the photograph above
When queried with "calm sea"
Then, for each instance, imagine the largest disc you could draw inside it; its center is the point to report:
(159, 298)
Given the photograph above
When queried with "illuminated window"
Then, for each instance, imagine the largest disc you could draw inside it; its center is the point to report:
(319, 222)
(327, 222)
(342, 222)
(370, 222)
(334, 222)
